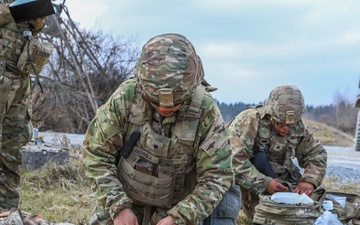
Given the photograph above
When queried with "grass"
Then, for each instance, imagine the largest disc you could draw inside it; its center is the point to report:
(59, 193)
(63, 194)
(328, 135)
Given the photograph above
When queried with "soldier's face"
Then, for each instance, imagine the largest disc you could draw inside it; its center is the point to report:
(166, 111)
(281, 128)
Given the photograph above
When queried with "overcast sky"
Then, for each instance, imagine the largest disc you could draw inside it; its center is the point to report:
(248, 46)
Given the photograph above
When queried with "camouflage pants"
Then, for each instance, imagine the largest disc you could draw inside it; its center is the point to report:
(15, 132)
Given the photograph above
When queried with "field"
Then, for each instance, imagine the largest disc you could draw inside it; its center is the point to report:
(59, 193)
(63, 194)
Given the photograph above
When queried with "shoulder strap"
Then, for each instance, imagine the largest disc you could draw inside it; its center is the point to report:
(195, 104)
(190, 118)
(260, 159)
(262, 141)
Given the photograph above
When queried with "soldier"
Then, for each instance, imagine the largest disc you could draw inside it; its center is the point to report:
(158, 150)
(15, 101)
(265, 140)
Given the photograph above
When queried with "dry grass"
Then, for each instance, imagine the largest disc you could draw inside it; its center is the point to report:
(242, 219)
(60, 193)
(328, 135)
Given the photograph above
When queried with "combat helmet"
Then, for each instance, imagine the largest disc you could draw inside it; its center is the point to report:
(285, 104)
(168, 70)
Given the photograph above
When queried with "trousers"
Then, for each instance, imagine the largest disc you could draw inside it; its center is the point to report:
(15, 132)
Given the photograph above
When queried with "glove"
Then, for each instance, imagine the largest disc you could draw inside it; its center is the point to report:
(38, 23)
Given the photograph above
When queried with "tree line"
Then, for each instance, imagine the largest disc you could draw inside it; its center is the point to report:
(87, 66)
(341, 115)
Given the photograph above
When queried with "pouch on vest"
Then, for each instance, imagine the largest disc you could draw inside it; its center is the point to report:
(34, 56)
(144, 188)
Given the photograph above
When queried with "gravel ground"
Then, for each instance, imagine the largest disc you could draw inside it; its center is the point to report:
(343, 162)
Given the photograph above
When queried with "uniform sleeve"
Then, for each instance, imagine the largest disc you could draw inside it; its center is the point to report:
(213, 166)
(5, 15)
(101, 146)
(243, 131)
(312, 156)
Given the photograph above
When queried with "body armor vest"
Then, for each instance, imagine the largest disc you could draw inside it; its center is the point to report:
(280, 150)
(160, 170)
(12, 41)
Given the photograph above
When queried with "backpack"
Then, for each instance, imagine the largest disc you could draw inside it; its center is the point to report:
(269, 212)
(351, 212)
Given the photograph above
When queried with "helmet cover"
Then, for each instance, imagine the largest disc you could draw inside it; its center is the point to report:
(285, 104)
(168, 69)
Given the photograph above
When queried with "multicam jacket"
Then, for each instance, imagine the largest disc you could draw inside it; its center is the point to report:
(252, 131)
(195, 150)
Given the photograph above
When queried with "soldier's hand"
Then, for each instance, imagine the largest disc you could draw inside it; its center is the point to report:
(276, 186)
(38, 23)
(166, 221)
(304, 188)
(126, 217)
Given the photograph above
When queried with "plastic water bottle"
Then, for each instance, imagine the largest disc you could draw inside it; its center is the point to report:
(35, 133)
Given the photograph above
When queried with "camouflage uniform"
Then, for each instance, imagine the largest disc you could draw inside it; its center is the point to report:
(15, 105)
(252, 130)
(181, 164)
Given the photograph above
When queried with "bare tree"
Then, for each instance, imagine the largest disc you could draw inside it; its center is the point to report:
(85, 68)
(346, 114)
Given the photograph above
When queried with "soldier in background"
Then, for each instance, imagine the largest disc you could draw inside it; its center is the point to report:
(15, 101)
(158, 150)
(266, 139)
